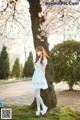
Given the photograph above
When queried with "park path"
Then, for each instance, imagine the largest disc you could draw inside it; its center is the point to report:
(23, 93)
(17, 93)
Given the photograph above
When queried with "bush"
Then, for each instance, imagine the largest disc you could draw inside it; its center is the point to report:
(66, 62)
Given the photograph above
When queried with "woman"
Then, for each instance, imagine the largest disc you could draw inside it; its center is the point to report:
(39, 80)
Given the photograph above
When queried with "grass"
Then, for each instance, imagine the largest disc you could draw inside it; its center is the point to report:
(14, 80)
(63, 113)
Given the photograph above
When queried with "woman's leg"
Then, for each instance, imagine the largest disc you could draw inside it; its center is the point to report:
(40, 101)
(38, 105)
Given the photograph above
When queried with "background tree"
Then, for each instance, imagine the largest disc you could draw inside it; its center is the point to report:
(16, 68)
(61, 20)
(65, 58)
(4, 64)
(21, 70)
(29, 66)
(39, 39)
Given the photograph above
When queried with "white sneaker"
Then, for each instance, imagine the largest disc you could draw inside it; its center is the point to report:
(44, 110)
(37, 113)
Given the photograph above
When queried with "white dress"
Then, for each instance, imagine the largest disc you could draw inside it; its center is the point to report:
(38, 79)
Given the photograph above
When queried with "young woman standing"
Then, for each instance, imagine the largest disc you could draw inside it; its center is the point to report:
(38, 80)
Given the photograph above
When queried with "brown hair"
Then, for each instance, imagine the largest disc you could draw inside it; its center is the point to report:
(44, 54)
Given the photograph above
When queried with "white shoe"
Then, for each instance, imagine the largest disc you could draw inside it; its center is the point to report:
(44, 110)
(37, 113)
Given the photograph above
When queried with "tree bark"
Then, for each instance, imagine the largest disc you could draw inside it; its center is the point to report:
(48, 95)
(70, 83)
(70, 87)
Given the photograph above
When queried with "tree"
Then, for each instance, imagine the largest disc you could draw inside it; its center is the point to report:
(62, 20)
(48, 95)
(21, 70)
(4, 64)
(65, 58)
(29, 66)
(16, 68)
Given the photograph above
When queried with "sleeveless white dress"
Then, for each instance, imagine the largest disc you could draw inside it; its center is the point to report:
(38, 79)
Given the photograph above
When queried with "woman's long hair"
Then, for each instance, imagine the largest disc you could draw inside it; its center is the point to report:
(44, 54)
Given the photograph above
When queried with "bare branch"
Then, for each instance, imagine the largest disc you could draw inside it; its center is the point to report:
(20, 23)
(2, 11)
(75, 19)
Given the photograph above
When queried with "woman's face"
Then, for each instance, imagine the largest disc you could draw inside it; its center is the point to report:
(39, 53)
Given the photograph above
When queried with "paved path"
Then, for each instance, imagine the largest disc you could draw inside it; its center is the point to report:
(17, 93)
(22, 93)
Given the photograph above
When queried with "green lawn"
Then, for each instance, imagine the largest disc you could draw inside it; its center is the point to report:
(63, 113)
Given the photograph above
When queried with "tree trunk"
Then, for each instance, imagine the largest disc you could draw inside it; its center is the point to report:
(70, 87)
(70, 83)
(48, 95)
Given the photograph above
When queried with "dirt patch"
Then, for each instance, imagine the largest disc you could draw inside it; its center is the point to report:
(68, 98)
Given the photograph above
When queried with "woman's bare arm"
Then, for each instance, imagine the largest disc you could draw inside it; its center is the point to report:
(44, 65)
(43, 68)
